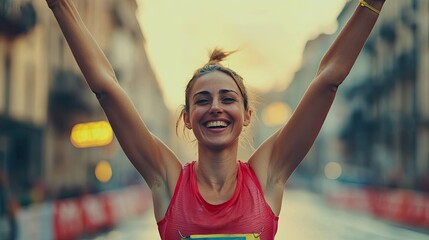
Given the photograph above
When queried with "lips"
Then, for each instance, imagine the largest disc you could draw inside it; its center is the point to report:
(216, 124)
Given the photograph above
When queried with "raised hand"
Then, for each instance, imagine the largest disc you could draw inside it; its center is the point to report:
(53, 3)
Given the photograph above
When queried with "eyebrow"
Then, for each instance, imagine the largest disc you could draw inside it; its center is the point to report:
(221, 91)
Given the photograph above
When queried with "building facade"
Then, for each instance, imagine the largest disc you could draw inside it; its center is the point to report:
(377, 129)
(387, 127)
(43, 95)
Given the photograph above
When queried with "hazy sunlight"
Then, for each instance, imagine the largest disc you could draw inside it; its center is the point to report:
(270, 36)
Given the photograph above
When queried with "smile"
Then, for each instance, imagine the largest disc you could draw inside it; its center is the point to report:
(217, 124)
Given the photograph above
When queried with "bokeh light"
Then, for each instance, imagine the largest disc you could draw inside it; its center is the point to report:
(92, 134)
(103, 171)
(276, 113)
(333, 170)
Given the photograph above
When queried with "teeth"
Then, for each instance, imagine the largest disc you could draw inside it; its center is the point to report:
(216, 124)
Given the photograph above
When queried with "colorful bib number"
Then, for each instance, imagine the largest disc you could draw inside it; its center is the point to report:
(224, 237)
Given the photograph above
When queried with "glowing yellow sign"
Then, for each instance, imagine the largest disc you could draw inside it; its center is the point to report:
(92, 134)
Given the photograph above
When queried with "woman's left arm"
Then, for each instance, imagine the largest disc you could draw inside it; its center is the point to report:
(279, 156)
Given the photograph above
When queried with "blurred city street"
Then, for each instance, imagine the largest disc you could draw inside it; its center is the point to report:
(304, 216)
(64, 175)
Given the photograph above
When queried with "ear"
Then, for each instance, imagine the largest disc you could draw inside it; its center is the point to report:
(247, 117)
(186, 120)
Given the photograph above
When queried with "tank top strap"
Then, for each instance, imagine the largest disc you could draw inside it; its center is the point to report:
(250, 173)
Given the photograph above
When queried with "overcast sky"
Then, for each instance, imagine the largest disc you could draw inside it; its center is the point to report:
(269, 34)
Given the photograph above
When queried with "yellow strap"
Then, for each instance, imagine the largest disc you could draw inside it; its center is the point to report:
(365, 4)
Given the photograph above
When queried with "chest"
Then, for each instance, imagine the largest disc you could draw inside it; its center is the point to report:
(242, 209)
(216, 197)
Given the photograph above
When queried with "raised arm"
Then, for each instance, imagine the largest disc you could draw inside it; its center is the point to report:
(279, 156)
(155, 162)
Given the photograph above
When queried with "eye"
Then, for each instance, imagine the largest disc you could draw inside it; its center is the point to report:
(201, 101)
(228, 100)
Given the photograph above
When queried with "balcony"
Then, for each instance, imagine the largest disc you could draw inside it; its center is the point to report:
(17, 17)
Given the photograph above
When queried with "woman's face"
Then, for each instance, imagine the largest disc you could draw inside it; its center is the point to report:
(216, 111)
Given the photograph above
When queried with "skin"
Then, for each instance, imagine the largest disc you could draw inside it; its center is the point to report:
(216, 97)
(273, 162)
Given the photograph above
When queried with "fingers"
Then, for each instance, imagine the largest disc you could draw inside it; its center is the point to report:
(52, 3)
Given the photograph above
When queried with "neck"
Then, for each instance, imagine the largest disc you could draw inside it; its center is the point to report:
(217, 168)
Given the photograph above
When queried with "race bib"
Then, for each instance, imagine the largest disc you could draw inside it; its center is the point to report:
(224, 237)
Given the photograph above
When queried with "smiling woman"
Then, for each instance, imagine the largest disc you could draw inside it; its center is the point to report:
(217, 195)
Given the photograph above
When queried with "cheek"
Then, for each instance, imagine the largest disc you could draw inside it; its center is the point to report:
(195, 114)
(238, 112)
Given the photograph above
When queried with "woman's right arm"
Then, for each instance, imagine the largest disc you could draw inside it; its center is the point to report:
(155, 162)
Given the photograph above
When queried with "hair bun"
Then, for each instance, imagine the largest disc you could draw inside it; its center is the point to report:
(217, 55)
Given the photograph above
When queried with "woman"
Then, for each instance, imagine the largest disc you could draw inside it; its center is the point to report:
(217, 195)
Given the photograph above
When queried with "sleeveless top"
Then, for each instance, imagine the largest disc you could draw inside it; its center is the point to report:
(246, 214)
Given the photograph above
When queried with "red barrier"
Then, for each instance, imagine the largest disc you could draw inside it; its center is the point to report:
(72, 218)
(96, 213)
(401, 206)
(127, 202)
(67, 219)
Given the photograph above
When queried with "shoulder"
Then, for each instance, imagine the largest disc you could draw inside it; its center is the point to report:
(246, 168)
(187, 173)
(188, 167)
(248, 173)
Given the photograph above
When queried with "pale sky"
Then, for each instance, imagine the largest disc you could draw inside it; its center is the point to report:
(269, 34)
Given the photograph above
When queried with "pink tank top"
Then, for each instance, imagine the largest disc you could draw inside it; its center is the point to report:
(246, 213)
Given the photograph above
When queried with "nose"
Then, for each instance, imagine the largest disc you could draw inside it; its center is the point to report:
(215, 107)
